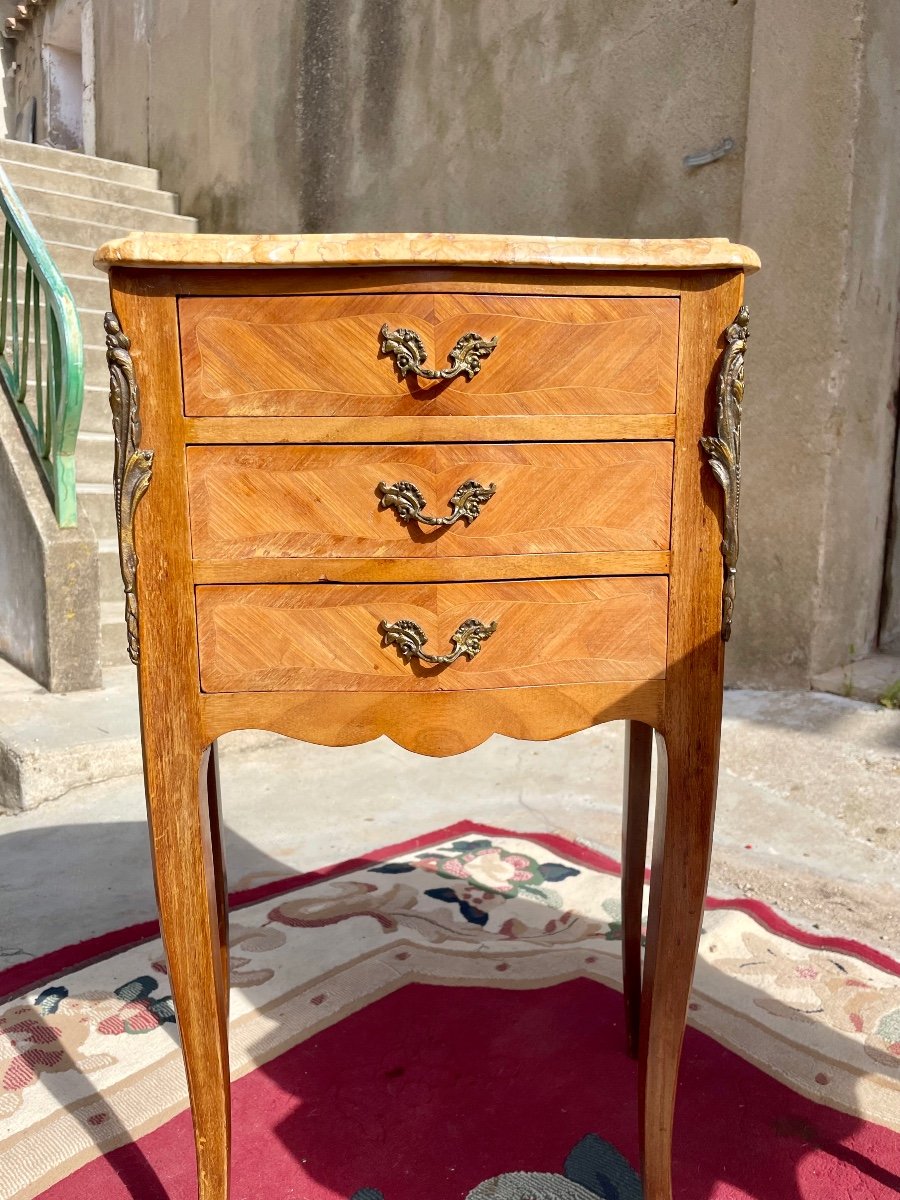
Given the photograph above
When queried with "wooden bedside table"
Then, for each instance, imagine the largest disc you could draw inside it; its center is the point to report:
(434, 487)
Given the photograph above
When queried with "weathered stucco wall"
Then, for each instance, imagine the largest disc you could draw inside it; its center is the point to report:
(822, 208)
(44, 66)
(559, 116)
(517, 115)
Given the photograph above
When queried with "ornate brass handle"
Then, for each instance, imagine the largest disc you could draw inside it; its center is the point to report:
(409, 638)
(405, 497)
(409, 354)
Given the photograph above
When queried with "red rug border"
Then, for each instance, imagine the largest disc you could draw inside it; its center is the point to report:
(23, 977)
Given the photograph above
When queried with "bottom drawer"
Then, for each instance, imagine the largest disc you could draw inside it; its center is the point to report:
(345, 637)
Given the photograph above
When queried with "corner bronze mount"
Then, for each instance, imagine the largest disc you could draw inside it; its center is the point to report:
(724, 451)
(133, 466)
(409, 354)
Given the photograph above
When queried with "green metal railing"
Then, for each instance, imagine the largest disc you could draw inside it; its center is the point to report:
(41, 353)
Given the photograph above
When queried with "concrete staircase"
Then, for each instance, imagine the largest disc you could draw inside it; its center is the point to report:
(77, 203)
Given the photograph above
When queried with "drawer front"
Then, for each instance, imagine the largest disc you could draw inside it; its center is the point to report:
(321, 355)
(330, 637)
(324, 501)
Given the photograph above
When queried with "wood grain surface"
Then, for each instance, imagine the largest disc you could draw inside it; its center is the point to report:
(635, 816)
(320, 355)
(433, 723)
(177, 769)
(443, 279)
(324, 502)
(326, 637)
(425, 426)
(431, 570)
(689, 751)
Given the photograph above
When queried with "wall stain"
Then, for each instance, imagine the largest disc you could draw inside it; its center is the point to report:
(324, 84)
(381, 71)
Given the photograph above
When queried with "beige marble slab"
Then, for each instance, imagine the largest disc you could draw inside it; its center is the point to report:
(413, 249)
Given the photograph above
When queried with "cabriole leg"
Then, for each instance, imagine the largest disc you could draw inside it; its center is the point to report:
(220, 874)
(687, 771)
(190, 893)
(635, 809)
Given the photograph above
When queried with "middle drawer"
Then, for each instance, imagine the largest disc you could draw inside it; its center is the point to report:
(375, 501)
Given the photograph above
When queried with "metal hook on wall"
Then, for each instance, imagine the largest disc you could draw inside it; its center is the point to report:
(709, 156)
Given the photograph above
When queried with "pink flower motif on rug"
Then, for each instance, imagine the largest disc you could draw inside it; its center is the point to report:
(493, 869)
(488, 880)
(800, 987)
(48, 1036)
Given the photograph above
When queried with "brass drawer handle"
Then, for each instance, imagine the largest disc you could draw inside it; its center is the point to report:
(409, 354)
(409, 638)
(405, 497)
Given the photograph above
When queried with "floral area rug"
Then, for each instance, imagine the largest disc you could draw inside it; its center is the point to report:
(441, 1021)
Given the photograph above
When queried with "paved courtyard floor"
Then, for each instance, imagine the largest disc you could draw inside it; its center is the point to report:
(809, 818)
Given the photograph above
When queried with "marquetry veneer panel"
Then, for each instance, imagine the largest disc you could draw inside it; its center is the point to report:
(326, 637)
(320, 355)
(323, 501)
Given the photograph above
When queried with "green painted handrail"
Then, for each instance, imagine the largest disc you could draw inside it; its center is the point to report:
(41, 331)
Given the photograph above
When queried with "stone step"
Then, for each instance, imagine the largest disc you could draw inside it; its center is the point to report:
(52, 744)
(99, 504)
(96, 390)
(95, 414)
(96, 368)
(88, 235)
(94, 456)
(875, 678)
(82, 164)
(113, 638)
(110, 573)
(88, 291)
(74, 260)
(101, 212)
(76, 183)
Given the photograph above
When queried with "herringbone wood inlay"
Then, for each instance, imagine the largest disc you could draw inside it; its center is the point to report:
(322, 501)
(320, 355)
(326, 636)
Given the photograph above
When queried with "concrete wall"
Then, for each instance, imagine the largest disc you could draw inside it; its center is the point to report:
(44, 65)
(516, 115)
(567, 117)
(822, 207)
(23, 78)
(49, 611)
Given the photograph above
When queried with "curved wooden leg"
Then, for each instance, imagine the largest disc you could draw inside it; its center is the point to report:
(687, 771)
(220, 873)
(180, 785)
(635, 810)
(689, 752)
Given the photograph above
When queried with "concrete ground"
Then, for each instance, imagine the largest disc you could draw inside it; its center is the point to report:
(808, 818)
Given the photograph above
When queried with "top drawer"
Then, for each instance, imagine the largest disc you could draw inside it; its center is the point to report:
(321, 356)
